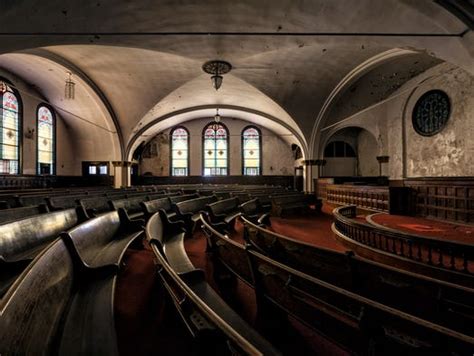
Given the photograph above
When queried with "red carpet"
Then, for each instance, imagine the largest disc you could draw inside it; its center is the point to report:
(426, 227)
(145, 320)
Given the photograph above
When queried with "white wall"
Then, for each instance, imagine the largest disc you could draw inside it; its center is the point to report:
(31, 98)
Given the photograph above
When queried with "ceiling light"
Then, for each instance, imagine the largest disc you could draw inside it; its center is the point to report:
(216, 69)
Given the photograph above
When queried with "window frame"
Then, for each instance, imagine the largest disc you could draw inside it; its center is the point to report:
(203, 165)
(53, 113)
(259, 150)
(188, 159)
(20, 124)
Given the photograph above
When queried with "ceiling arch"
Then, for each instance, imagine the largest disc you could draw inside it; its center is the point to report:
(91, 124)
(288, 56)
(280, 128)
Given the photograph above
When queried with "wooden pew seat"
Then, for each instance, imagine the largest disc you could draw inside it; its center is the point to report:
(255, 212)
(210, 320)
(65, 298)
(226, 210)
(13, 214)
(21, 241)
(189, 210)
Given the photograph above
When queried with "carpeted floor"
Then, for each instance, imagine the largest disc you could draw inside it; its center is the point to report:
(426, 227)
(145, 320)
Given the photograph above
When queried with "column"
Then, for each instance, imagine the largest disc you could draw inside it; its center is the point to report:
(122, 174)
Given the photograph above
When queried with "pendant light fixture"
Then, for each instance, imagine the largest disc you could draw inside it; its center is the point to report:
(216, 68)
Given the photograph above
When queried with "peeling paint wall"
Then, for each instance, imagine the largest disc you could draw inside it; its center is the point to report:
(448, 153)
(366, 155)
(277, 156)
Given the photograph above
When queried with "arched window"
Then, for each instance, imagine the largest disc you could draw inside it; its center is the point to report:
(9, 131)
(339, 149)
(215, 150)
(251, 151)
(46, 140)
(179, 152)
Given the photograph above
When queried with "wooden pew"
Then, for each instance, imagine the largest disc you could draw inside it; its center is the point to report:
(253, 211)
(130, 205)
(434, 300)
(226, 211)
(65, 299)
(95, 206)
(21, 241)
(97, 248)
(361, 325)
(13, 214)
(179, 198)
(151, 207)
(189, 210)
(282, 204)
(218, 329)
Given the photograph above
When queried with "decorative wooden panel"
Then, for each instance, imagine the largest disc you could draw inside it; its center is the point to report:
(449, 199)
(368, 197)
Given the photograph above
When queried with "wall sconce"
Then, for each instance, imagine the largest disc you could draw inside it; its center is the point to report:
(29, 133)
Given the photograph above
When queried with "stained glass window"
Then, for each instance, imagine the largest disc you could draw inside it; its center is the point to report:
(251, 151)
(215, 150)
(179, 152)
(45, 140)
(9, 128)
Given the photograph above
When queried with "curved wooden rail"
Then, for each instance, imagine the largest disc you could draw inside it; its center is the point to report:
(446, 255)
(196, 292)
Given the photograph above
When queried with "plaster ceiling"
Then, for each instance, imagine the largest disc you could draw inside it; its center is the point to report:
(145, 56)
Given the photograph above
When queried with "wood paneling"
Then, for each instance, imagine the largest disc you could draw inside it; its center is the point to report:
(449, 199)
(366, 197)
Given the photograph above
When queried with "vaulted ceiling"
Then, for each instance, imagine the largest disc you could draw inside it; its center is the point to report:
(138, 63)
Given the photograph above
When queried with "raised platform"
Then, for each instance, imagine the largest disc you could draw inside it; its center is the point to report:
(425, 227)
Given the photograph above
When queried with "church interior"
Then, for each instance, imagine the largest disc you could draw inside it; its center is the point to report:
(237, 177)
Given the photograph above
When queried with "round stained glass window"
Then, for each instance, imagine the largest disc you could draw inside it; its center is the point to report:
(431, 112)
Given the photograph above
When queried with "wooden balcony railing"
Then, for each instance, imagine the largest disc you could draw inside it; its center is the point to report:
(447, 255)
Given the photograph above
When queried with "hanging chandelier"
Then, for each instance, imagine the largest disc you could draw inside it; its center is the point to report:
(69, 88)
(216, 69)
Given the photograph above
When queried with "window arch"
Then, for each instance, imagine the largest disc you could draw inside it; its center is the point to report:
(339, 149)
(251, 151)
(46, 140)
(215, 150)
(10, 127)
(179, 151)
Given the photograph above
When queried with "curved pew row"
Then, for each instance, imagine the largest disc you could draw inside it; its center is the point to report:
(446, 260)
(440, 302)
(63, 302)
(357, 323)
(218, 329)
(22, 240)
(13, 214)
